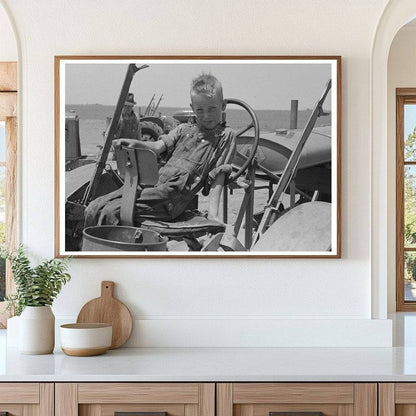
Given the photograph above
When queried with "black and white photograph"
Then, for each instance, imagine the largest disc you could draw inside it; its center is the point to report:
(197, 156)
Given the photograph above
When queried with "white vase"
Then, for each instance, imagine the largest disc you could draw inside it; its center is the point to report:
(37, 330)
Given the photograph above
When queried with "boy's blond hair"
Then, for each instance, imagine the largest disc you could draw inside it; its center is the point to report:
(206, 84)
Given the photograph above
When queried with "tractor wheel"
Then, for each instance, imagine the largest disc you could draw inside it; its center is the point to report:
(150, 131)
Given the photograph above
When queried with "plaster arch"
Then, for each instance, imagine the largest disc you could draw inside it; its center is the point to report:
(396, 14)
(10, 45)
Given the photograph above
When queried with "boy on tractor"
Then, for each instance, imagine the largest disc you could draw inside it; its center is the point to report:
(199, 157)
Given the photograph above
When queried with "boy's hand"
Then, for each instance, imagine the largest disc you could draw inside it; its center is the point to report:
(126, 142)
(158, 146)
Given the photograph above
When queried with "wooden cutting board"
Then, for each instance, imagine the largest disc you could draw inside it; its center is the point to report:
(107, 309)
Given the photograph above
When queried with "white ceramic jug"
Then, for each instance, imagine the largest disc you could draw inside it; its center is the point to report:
(37, 330)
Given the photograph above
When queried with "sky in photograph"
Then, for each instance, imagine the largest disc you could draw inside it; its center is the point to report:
(264, 86)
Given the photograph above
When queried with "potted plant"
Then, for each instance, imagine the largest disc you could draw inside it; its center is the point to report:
(36, 289)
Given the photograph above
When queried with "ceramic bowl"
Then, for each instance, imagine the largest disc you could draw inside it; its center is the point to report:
(83, 340)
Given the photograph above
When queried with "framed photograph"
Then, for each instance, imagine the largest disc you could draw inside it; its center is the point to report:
(196, 156)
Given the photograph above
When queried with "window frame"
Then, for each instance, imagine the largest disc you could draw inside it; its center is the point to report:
(8, 112)
(403, 96)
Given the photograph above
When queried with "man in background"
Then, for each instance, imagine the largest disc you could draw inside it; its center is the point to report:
(129, 124)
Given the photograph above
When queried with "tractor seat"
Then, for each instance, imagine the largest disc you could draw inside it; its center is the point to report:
(138, 168)
(188, 224)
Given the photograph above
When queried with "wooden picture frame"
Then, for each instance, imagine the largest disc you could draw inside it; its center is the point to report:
(282, 197)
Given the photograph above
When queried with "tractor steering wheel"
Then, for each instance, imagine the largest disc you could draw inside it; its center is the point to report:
(254, 123)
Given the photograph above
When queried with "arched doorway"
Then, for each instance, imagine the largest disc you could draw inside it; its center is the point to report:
(401, 109)
(396, 14)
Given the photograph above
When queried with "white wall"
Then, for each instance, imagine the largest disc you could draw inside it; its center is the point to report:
(8, 46)
(211, 302)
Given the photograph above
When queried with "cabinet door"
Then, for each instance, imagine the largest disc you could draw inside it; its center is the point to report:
(144, 399)
(397, 399)
(297, 399)
(26, 399)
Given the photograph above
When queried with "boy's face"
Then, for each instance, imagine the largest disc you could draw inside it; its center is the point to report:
(208, 110)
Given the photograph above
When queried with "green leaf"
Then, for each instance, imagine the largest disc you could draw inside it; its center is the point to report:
(35, 286)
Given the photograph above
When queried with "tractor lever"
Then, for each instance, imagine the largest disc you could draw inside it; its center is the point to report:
(90, 192)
